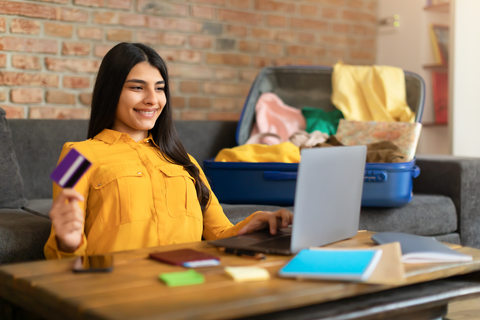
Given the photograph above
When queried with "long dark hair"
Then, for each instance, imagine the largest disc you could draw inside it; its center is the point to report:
(113, 72)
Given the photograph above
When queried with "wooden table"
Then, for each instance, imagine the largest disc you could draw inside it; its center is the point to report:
(133, 291)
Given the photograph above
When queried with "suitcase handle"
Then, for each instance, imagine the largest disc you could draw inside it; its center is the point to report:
(277, 175)
(415, 171)
(375, 176)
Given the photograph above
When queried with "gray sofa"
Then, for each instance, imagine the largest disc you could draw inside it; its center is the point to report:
(445, 204)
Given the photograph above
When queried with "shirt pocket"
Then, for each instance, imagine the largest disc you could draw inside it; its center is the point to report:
(181, 195)
(122, 193)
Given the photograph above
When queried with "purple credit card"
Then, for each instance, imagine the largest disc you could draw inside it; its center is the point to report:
(70, 169)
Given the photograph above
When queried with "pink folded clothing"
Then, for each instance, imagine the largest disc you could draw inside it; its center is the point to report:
(274, 116)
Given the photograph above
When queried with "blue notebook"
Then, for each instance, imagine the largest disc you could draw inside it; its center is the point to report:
(341, 264)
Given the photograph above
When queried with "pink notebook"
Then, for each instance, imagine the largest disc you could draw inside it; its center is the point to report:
(403, 134)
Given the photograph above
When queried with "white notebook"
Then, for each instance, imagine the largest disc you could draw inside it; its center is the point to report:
(418, 249)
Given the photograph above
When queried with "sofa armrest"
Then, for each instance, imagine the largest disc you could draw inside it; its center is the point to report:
(459, 179)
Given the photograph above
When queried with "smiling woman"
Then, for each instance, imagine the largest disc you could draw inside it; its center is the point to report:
(143, 188)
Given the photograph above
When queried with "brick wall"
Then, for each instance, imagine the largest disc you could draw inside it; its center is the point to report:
(50, 50)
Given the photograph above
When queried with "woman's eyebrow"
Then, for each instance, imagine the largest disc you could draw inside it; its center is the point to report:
(144, 82)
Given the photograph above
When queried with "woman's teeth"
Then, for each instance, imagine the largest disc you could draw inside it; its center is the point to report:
(145, 112)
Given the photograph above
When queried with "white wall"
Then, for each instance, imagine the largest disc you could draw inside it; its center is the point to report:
(464, 79)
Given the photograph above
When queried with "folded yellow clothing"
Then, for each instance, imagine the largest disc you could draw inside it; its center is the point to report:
(282, 152)
(371, 93)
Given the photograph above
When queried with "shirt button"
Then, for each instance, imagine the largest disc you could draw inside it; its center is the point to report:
(99, 184)
(139, 173)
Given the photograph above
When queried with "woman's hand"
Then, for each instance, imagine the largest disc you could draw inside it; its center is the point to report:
(277, 220)
(68, 220)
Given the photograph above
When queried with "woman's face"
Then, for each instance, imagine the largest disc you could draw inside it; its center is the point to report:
(141, 101)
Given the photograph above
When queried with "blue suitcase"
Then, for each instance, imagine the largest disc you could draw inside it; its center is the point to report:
(386, 184)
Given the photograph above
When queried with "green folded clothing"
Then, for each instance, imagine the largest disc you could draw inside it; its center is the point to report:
(317, 119)
(182, 278)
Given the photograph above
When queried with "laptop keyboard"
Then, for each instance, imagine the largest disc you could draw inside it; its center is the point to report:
(280, 243)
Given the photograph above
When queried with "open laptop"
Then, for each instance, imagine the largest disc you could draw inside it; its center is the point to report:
(328, 197)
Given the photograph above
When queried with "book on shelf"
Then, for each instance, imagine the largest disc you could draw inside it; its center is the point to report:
(440, 96)
(439, 35)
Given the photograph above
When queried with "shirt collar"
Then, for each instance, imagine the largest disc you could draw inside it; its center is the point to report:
(111, 137)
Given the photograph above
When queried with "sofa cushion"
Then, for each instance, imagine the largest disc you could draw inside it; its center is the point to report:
(39, 207)
(11, 183)
(22, 236)
(424, 215)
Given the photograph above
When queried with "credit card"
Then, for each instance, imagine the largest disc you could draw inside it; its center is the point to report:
(70, 169)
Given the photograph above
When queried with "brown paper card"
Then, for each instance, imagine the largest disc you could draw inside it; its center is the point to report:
(389, 270)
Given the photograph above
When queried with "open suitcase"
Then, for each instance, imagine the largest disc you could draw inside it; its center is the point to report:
(386, 184)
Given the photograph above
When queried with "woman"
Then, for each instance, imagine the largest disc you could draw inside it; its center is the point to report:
(143, 189)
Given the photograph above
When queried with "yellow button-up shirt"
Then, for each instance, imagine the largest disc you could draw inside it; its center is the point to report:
(134, 198)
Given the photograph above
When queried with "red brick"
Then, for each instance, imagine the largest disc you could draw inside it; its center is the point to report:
(341, 28)
(59, 97)
(3, 60)
(248, 75)
(358, 16)
(3, 25)
(276, 21)
(228, 59)
(239, 16)
(86, 98)
(68, 14)
(226, 89)
(119, 35)
(3, 95)
(203, 12)
(200, 41)
(268, 5)
(90, 33)
(224, 116)
(372, 6)
(308, 10)
(215, 2)
(357, 29)
(273, 49)
(265, 34)
(171, 39)
(188, 26)
(172, 24)
(89, 3)
(362, 55)
(236, 31)
(190, 86)
(338, 53)
(304, 62)
(309, 24)
(306, 38)
(28, 45)
(119, 4)
(193, 115)
(30, 95)
(173, 86)
(329, 13)
(59, 113)
(55, 64)
(161, 7)
(261, 62)
(240, 3)
(368, 43)
(338, 3)
(177, 102)
(27, 79)
(249, 46)
(26, 62)
(76, 49)
(305, 51)
(189, 56)
(225, 74)
(286, 36)
(76, 82)
(199, 102)
(14, 112)
(148, 37)
(176, 115)
(190, 72)
(228, 104)
(25, 26)
(133, 20)
(101, 50)
(106, 17)
(28, 10)
(339, 40)
(58, 30)
(355, 3)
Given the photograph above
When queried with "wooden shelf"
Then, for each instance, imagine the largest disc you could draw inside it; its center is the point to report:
(444, 7)
(436, 66)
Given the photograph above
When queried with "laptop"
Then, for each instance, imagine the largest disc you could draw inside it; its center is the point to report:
(328, 198)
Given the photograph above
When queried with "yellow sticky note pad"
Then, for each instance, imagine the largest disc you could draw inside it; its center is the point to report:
(243, 274)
